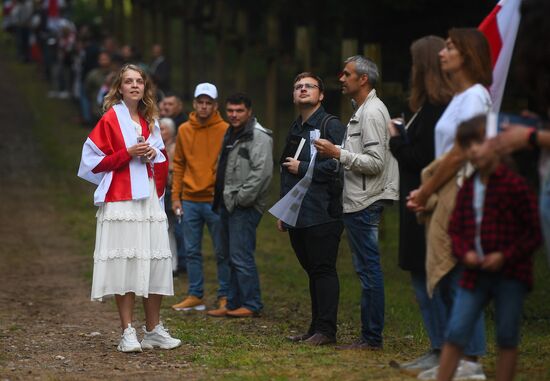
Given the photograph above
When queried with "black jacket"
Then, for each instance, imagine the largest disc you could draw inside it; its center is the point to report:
(314, 209)
(412, 157)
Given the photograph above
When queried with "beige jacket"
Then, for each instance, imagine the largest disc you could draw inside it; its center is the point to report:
(371, 172)
(440, 205)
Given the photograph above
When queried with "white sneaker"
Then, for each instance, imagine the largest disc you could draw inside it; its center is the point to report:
(429, 374)
(426, 361)
(159, 337)
(469, 370)
(466, 370)
(129, 341)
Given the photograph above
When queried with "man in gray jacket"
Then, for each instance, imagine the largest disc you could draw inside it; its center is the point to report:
(371, 180)
(244, 172)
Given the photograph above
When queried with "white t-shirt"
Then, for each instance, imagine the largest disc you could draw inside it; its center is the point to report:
(479, 200)
(465, 105)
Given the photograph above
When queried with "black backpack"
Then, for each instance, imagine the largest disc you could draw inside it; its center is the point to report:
(336, 182)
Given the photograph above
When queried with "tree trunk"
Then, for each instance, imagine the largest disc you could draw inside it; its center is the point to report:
(186, 60)
(271, 78)
(221, 43)
(303, 47)
(242, 32)
(349, 48)
(138, 37)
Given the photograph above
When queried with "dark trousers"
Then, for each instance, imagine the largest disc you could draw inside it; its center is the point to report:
(317, 248)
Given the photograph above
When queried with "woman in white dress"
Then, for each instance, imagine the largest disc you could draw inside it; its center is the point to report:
(132, 254)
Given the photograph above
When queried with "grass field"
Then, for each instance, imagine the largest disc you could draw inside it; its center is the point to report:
(255, 349)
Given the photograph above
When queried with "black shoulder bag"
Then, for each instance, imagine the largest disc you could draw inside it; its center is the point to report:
(336, 182)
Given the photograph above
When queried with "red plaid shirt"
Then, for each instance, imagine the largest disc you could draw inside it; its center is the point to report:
(510, 225)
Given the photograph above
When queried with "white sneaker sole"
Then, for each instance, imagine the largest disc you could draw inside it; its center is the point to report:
(129, 350)
(201, 307)
(161, 346)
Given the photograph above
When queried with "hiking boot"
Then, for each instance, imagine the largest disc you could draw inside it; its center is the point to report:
(190, 303)
(159, 337)
(128, 341)
(466, 370)
(427, 361)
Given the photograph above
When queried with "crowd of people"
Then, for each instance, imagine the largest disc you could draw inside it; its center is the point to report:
(78, 62)
(469, 225)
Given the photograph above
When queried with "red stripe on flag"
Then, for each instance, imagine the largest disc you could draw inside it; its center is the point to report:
(53, 8)
(489, 27)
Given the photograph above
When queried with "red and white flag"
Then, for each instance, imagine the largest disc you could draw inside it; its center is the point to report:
(501, 27)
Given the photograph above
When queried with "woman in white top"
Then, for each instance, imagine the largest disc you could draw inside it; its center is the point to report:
(132, 255)
(466, 60)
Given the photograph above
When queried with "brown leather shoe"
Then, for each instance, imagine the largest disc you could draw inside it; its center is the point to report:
(359, 346)
(242, 312)
(298, 338)
(319, 339)
(219, 312)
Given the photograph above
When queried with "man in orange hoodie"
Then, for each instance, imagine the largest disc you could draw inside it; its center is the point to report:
(198, 145)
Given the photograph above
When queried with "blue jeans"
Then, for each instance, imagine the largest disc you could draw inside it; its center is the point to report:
(180, 244)
(238, 237)
(433, 310)
(362, 231)
(544, 209)
(195, 215)
(178, 230)
(448, 288)
(508, 294)
(85, 107)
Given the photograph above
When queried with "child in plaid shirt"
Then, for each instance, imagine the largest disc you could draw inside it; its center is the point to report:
(494, 231)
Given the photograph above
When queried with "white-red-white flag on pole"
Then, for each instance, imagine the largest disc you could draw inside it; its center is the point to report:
(501, 27)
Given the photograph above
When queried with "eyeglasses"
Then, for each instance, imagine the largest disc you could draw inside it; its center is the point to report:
(307, 86)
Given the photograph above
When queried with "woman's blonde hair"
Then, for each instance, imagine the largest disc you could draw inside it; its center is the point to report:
(428, 82)
(147, 106)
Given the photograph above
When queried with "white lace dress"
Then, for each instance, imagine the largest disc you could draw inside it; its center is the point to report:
(132, 252)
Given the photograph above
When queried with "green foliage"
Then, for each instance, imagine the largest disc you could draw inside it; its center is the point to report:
(85, 12)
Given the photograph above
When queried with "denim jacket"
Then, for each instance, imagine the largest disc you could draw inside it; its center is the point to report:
(314, 209)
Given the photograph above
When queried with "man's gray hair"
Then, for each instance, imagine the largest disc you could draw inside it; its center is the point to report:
(168, 122)
(364, 65)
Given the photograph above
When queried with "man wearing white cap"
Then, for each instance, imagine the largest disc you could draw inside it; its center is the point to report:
(198, 144)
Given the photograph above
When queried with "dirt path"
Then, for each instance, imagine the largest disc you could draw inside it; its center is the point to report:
(48, 327)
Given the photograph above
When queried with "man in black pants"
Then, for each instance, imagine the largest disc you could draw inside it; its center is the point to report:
(316, 234)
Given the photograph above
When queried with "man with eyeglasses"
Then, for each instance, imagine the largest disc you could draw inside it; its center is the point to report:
(316, 235)
(371, 181)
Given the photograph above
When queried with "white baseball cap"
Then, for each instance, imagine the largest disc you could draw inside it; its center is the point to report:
(206, 89)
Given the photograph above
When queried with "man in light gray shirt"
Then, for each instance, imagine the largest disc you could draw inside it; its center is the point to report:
(371, 180)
